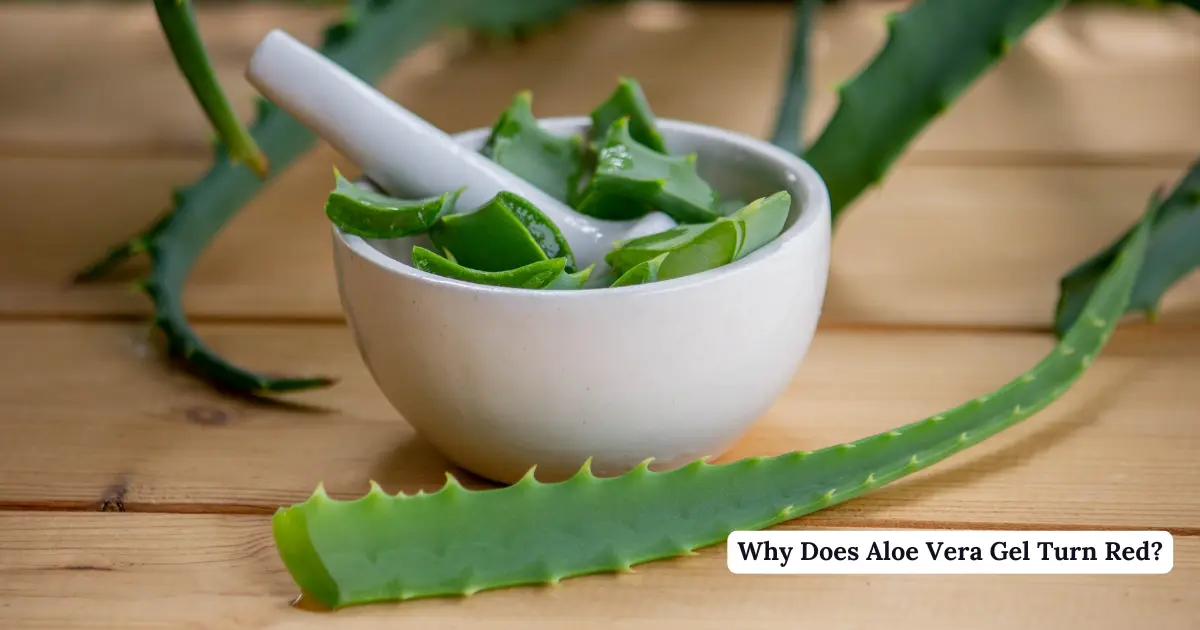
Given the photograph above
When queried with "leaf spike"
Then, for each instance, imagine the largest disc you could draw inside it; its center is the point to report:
(376, 489)
(584, 473)
(142, 285)
(529, 479)
(643, 467)
(451, 480)
(695, 466)
(1003, 48)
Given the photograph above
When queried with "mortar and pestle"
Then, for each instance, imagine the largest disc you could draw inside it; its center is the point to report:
(499, 379)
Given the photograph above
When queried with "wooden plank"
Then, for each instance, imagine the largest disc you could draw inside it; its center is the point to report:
(936, 245)
(117, 427)
(1066, 92)
(168, 571)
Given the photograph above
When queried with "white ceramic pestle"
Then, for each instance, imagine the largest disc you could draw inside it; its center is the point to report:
(407, 155)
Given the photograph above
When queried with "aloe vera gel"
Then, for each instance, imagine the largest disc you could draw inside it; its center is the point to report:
(618, 169)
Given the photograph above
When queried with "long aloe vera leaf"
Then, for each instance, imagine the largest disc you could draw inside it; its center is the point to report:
(1173, 253)
(178, 22)
(457, 541)
(789, 121)
(367, 41)
(933, 52)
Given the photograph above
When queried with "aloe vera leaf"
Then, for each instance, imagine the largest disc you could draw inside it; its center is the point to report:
(762, 220)
(367, 41)
(543, 230)
(789, 121)
(696, 247)
(933, 51)
(183, 37)
(490, 238)
(550, 162)
(631, 179)
(369, 214)
(725, 207)
(457, 541)
(537, 275)
(628, 101)
(644, 272)
(1173, 253)
(568, 281)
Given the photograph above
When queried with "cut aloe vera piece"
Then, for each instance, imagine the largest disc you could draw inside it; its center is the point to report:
(628, 101)
(543, 274)
(642, 273)
(685, 250)
(571, 281)
(550, 162)
(762, 221)
(699, 247)
(631, 179)
(366, 213)
(544, 232)
(505, 233)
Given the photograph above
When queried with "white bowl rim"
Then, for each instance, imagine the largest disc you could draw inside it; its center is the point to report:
(817, 208)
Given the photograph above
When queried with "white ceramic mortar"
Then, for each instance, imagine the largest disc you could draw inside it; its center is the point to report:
(501, 379)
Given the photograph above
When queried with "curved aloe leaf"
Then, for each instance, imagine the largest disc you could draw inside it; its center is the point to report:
(550, 162)
(367, 41)
(544, 232)
(543, 274)
(1173, 253)
(457, 541)
(934, 50)
(366, 213)
(183, 37)
(498, 236)
(697, 247)
(628, 101)
(762, 220)
(644, 272)
(631, 179)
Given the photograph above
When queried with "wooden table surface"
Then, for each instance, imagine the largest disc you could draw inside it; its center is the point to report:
(132, 496)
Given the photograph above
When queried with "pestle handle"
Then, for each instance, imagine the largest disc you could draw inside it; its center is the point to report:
(397, 149)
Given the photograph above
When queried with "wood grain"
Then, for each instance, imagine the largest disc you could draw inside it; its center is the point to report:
(171, 571)
(936, 246)
(116, 427)
(1102, 83)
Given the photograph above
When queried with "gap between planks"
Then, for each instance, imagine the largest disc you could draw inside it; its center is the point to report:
(227, 509)
(1136, 321)
(982, 158)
